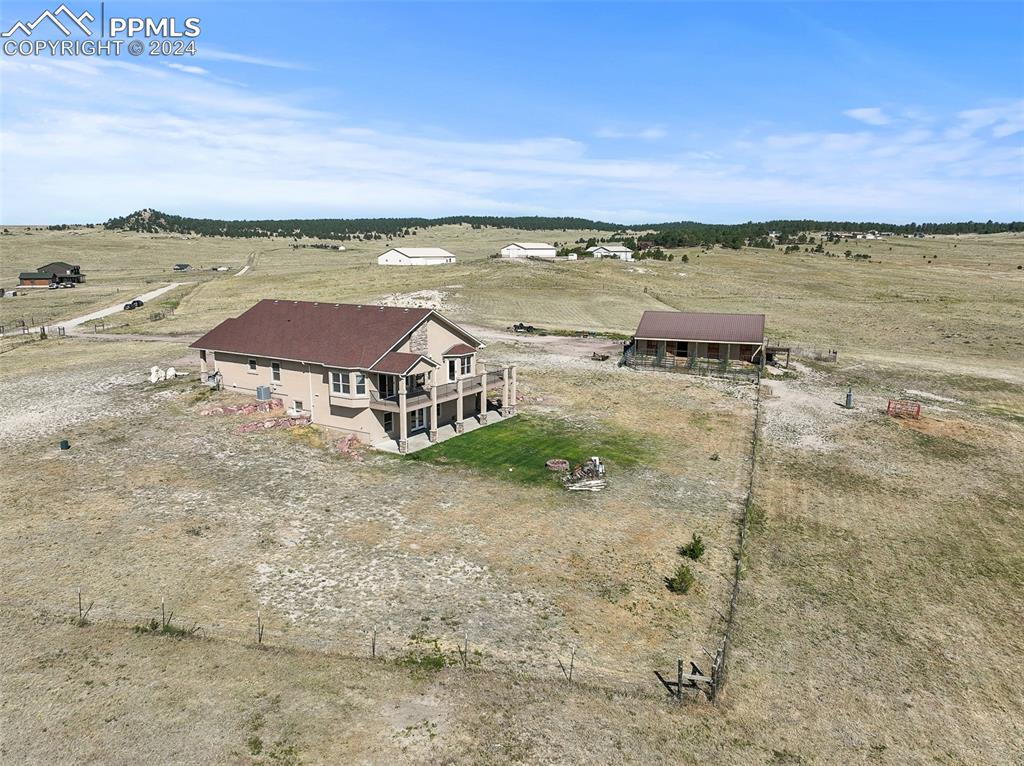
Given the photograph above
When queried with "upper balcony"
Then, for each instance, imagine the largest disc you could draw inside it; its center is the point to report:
(418, 398)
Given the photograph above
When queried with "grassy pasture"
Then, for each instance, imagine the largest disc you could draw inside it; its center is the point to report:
(945, 298)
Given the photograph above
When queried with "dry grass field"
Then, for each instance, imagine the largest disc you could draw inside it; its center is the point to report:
(881, 605)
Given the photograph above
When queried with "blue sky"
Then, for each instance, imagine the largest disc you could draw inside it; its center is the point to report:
(625, 112)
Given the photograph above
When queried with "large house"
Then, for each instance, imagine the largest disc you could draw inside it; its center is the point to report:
(381, 373)
(58, 272)
(680, 338)
(528, 250)
(415, 256)
(611, 250)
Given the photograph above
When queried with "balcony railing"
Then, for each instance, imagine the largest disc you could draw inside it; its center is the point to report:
(420, 397)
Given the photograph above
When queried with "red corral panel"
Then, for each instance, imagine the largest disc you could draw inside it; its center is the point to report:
(901, 408)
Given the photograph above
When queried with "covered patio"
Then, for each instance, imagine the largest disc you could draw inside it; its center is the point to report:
(421, 439)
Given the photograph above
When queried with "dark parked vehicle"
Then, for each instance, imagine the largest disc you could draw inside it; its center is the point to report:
(135, 304)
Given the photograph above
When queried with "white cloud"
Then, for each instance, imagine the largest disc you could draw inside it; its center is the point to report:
(871, 115)
(82, 141)
(215, 54)
(1003, 120)
(188, 68)
(652, 133)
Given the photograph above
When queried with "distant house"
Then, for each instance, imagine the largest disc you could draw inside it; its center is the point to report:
(611, 250)
(528, 250)
(415, 256)
(679, 338)
(58, 271)
(380, 373)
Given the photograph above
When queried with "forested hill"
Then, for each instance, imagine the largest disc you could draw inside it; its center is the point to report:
(670, 234)
(338, 228)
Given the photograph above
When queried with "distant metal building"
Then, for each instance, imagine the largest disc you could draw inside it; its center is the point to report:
(415, 256)
(528, 250)
(611, 250)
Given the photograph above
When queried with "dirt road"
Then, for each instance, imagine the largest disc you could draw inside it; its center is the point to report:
(71, 325)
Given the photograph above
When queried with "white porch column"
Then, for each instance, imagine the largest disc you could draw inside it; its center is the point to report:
(403, 417)
(483, 393)
(432, 433)
(512, 402)
(504, 392)
(460, 424)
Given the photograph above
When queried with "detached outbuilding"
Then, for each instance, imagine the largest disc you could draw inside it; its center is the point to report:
(415, 256)
(611, 250)
(682, 338)
(528, 250)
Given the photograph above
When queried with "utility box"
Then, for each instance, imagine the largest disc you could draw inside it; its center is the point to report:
(263, 393)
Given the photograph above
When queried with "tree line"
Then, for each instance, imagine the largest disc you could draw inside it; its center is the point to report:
(654, 235)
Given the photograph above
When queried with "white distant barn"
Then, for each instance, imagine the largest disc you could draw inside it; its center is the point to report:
(528, 250)
(611, 250)
(415, 256)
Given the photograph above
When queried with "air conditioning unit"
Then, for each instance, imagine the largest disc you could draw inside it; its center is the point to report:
(263, 393)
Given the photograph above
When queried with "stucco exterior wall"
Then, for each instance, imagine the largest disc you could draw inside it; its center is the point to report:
(438, 339)
(311, 384)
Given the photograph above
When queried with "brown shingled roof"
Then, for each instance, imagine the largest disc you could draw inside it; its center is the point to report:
(692, 325)
(460, 349)
(334, 334)
(399, 362)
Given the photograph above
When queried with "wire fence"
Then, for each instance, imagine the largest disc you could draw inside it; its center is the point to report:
(711, 684)
(714, 368)
(720, 667)
(569, 663)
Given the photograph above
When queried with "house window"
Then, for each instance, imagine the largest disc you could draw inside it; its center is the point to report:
(275, 372)
(389, 422)
(297, 405)
(360, 383)
(418, 419)
(451, 368)
(682, 348)
(252, 365)
(713, 351)
(467, 365)
(417, 381)
(335, 382)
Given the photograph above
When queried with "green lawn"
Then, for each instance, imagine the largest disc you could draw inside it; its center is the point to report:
(517, 449)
